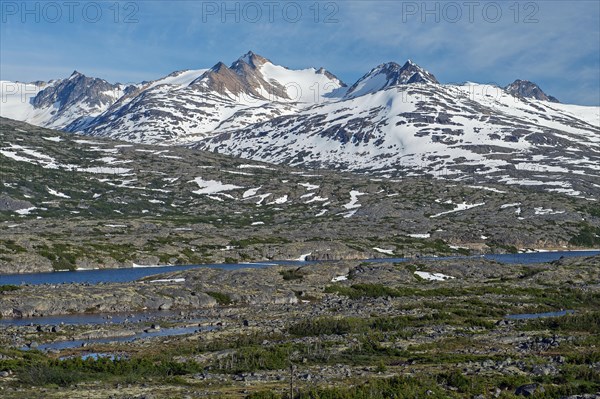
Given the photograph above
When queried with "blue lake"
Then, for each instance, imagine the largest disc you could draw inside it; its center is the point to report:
(530, 316)
(165, 332)
(131, 274)
(92, 318)
(112, 275)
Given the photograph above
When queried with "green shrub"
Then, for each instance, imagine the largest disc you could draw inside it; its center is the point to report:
(8, 288)
(326, 326)
(222, 298)
(588, 236)
(292, 274)
(584, 322)
(44, 374)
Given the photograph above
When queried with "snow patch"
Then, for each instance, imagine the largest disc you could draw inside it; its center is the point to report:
(543, 211)
(339, 278)
(251, 192)
(280, 200)
(433, 276)
(57, 193)
(459, 207)
(212, 186)
(309, 186)
(384, 251)
(168, 280)
(302, 258)
(353, 200)
(25, 211)
(54, 139)
(424, 235)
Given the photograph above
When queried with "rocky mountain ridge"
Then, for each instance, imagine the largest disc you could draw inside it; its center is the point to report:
(394, 121)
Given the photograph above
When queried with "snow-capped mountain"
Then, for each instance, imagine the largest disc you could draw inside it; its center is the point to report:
(395, 120)
(57, 103)
(390, 74)
(191, 105)
(470, 131)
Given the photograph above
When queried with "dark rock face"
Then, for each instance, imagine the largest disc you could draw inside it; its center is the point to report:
(393, 74)
(10, 204)
(529, 390)
(527, 89)
(78, 96)
(77, 88)
(244, 77)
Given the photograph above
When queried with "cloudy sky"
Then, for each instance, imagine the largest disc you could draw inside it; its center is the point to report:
(553, 43)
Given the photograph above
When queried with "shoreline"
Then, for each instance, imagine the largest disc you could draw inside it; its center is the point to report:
(288, 262)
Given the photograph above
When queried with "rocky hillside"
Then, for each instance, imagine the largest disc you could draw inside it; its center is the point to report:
(71, 201)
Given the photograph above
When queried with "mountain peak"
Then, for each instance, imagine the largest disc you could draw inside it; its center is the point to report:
(527, 89)
(390, 74)
(219, 66)
(252, 59)
(413, 73)
(76, 74)
(247, 57)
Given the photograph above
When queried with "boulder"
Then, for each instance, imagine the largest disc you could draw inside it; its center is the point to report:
(529, 390)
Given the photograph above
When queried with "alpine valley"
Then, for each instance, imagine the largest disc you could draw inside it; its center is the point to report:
(254, 162)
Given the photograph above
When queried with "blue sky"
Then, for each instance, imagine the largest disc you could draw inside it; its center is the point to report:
(553, 43)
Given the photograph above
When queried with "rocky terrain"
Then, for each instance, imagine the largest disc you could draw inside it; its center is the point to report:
(74, 202)
(525, 89)
(420, 329)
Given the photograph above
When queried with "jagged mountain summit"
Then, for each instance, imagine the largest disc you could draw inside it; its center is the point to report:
(390, 74)
(527, 89)
(251, 90)
(394, 121)
(256, 77)
(59, 102)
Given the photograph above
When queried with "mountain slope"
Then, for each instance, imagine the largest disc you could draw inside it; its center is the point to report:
(394, 121)
(72, 201)
(456, 132)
